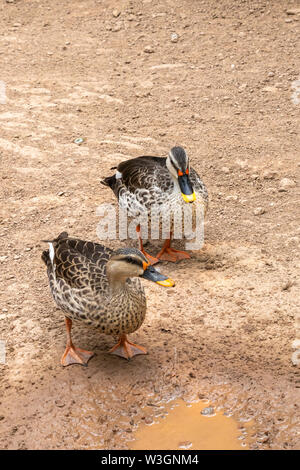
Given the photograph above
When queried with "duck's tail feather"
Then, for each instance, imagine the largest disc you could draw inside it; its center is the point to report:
(46, 253)
(46, 257)
(109, 181)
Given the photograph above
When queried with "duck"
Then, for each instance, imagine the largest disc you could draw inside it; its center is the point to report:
(100, 287)
(150, 185)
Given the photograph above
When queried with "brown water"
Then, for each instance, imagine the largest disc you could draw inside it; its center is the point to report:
(184, 427)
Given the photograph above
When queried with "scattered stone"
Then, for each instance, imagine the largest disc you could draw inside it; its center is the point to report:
(78, 141)
(185, 445)
(287, 285)
(208, 411)
(259, 211)
(289, 21)
(61, 193)
(271, 74)
(10, 1)
(174, 37)
(269, 174)
(232, 197)
(285, 184)
(59, 403)
(192, 375)
(148, 420)
(148, 50)
(116, 13)
(293, 11)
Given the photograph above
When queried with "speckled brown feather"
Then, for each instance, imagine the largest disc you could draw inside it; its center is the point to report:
(145, 186)
(80, 287)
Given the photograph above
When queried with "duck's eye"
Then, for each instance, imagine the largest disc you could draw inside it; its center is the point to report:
(133, 261)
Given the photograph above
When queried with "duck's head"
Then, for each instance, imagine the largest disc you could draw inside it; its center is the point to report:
(130, 262)
(179, 168)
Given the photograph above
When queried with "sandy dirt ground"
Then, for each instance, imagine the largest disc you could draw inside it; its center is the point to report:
(116, 74)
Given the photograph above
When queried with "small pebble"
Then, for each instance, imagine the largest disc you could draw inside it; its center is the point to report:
(174, 37)
(149, 50)
(208, 411)
(259, 211)
(116, 13)
(269, 174)
(59, 403)
(285, 184)
(293, 11)
(185, 445)
(148, 420)
(78, 141)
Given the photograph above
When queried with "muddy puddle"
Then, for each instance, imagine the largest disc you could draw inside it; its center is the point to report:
(196, 425)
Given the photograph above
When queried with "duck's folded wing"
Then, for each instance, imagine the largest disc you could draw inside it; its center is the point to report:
(81, 264)
(144, 173)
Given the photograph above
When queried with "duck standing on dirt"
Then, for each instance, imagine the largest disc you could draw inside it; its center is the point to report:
(99, 287)
(166, 183)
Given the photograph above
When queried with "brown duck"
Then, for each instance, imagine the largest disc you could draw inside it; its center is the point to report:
(99, 287)
(164, 184)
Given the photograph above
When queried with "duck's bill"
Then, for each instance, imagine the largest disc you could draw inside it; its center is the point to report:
(186, 188)
(151, 274)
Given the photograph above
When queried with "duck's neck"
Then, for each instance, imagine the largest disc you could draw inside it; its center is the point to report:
(176, 187)
(117, 286)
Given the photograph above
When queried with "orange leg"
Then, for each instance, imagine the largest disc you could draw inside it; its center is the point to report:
(150, 258)
(170, 254)
(73, 355)
(126, 349)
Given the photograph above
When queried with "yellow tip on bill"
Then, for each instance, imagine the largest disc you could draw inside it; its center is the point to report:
(166, 283)
(189, 197)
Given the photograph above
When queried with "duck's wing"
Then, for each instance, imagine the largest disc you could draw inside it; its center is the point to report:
(80, 264)
(144, 173)
(141, 173)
